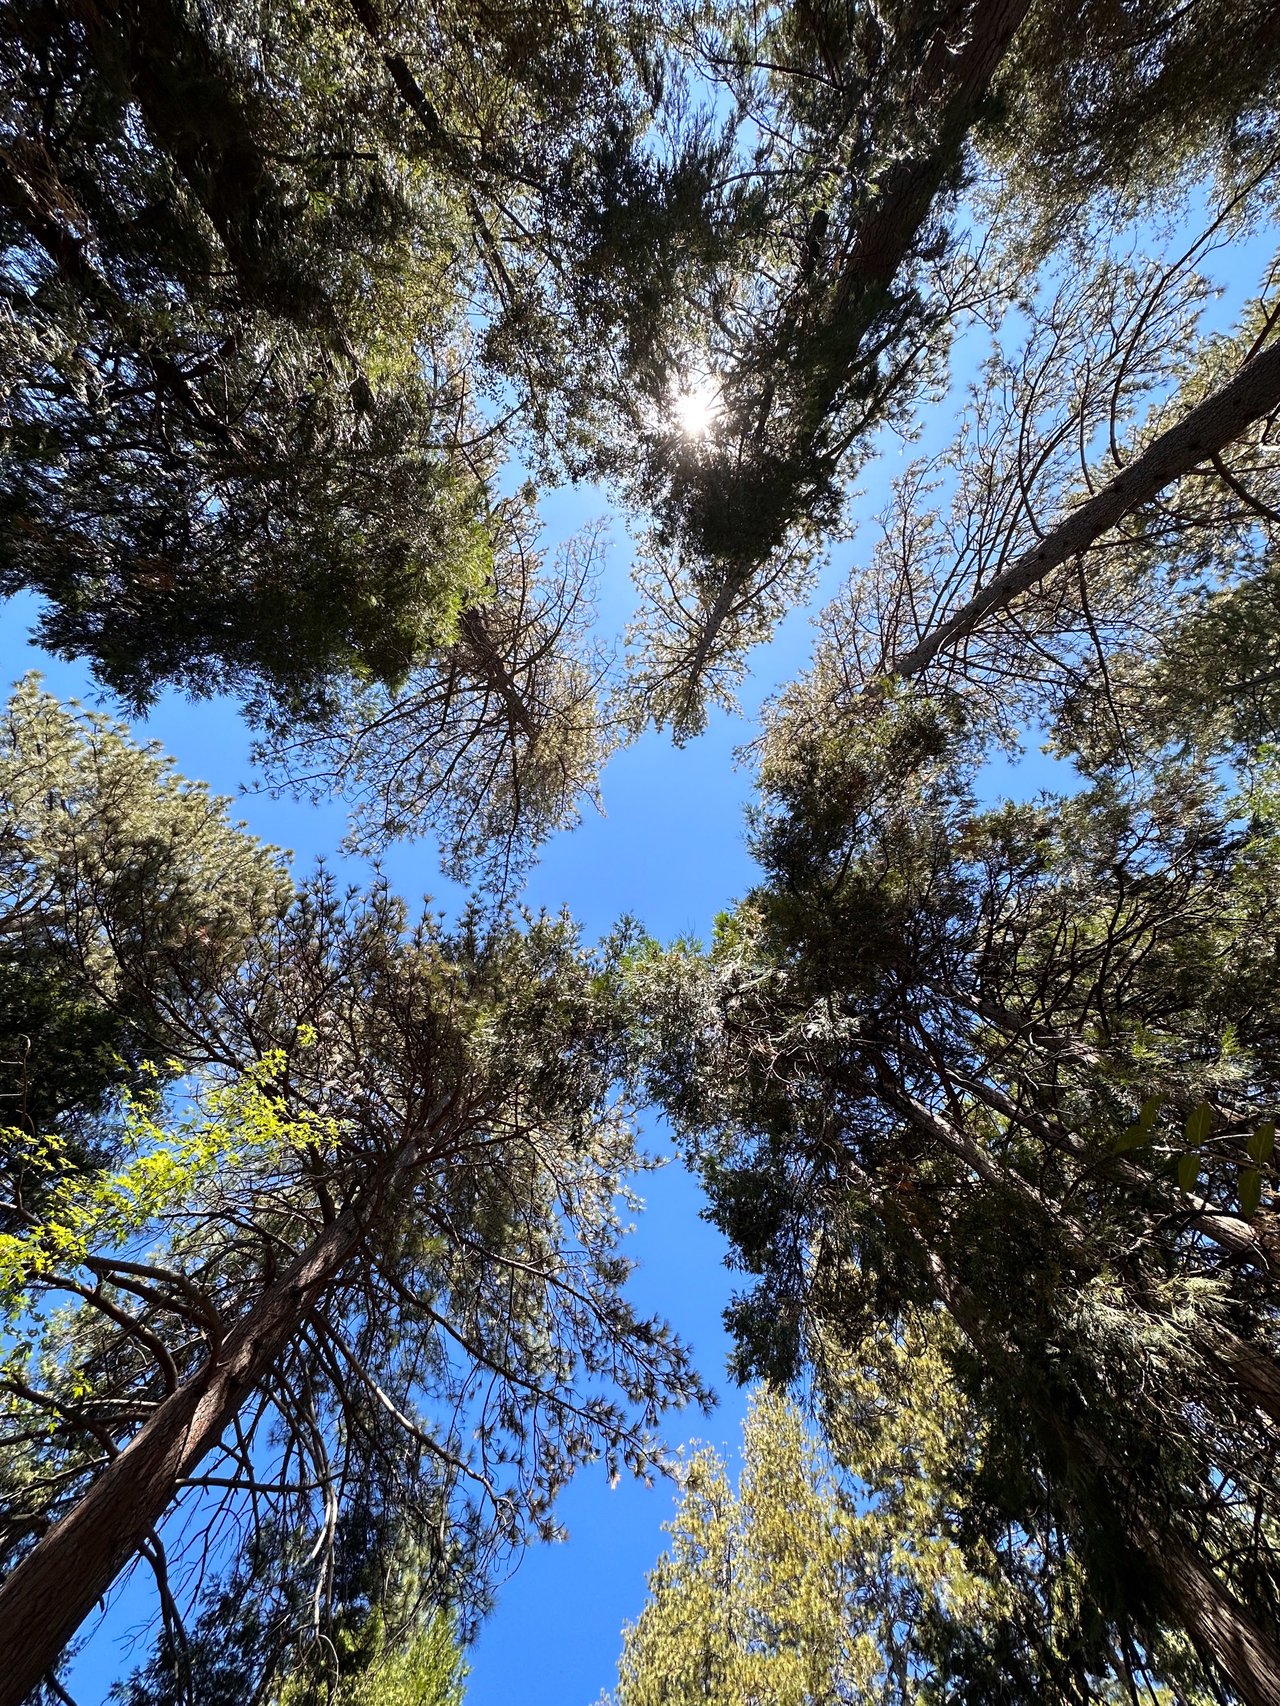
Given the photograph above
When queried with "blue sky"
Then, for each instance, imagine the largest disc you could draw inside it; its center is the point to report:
(669, 850)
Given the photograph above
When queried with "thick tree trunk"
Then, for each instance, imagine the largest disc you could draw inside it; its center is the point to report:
(1215, 1620)
(1221, 418)
(51, 1592)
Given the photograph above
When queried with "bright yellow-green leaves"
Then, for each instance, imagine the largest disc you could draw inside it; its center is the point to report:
(426, 1669)
(240, 1127)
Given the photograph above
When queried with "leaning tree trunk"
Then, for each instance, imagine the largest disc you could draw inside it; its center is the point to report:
(55, 1587)
(1219, 420)
(947, 95)
(1215, 1620)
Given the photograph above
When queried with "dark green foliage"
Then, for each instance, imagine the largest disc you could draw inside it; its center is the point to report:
(902, 1073)
(845, 95)
(128, 899)
(227, 464)
(1130, 101)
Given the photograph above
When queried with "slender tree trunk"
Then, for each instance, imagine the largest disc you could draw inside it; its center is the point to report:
(947, 96)
(1221, 418)
(485, 662)
(55, 1587)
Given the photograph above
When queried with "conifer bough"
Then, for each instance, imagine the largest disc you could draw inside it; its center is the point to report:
(1220, 419)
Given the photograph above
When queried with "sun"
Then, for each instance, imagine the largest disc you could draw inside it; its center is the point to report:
(696, 407)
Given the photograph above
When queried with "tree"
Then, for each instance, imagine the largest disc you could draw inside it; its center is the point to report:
(857, 1569)
(833, 324)
(496, 741)
(1017, 1065)
(1202, 676)
(427, 1671)
(129, 901)
(382, 1245)
(754, 1601)
(1127, 106)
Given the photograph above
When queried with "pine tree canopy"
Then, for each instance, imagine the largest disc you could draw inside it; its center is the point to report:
(1017, 1065)
(313, 1207)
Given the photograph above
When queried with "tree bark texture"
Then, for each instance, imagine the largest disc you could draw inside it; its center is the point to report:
(55, 1587)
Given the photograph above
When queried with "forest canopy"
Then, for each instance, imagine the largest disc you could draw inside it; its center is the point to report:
(951, 322)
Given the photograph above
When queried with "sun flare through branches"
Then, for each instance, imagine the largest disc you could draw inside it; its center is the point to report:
(695, 406)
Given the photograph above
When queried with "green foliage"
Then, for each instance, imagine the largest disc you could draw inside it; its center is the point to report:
(968, 1607)
(242, 1126)
(224, 463)
(1131, 104)
(128, 901)
(426, 1670)
(901, 1074)
(983, 1099)
(496, 741)
(757, 1598)
(385, 1634)
(827, 317)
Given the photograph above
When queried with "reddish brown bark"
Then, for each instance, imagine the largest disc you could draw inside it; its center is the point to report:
(54, 1588)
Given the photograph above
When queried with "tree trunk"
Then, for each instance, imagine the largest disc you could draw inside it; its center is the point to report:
(487, 665)
(1213, 424)
(953, 82)
(55, 1587)
(1214, 1619)
(948, 92)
